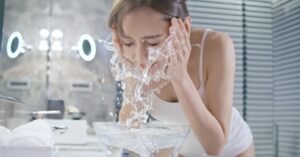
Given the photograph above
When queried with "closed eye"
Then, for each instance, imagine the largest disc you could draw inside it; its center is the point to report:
(128, 45)
(153, 44)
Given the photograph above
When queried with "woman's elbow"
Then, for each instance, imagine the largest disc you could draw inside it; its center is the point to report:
(215, 150)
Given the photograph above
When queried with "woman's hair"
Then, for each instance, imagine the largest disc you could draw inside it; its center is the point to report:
(170, 8)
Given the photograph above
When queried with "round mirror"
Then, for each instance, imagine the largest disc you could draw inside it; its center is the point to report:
(14, 45)
(87, 47)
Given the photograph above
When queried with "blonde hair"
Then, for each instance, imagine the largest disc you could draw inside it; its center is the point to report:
(170, 8)
(115, 2)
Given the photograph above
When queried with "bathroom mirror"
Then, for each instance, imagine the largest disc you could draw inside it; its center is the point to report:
(14, 45)
(86, 47)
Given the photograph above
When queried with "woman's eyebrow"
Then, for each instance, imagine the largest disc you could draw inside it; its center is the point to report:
(125, 36)
(152, 36)
(145, 37)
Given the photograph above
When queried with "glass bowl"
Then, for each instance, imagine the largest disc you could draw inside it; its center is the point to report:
(147, 140)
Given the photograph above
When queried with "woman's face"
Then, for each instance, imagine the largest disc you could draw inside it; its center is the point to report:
(143, 28)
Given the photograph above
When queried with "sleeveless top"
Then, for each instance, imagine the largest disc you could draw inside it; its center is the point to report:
(239, 138)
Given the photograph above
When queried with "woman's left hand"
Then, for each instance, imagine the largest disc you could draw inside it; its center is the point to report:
(177, 63)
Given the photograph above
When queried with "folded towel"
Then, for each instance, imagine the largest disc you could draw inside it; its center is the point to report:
(4, 135)
(37, 133)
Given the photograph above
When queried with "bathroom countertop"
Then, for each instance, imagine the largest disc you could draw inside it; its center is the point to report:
(93, 148)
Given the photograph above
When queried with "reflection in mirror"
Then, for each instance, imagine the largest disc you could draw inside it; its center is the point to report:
(86, 47)
(14, 45)
(18, 84)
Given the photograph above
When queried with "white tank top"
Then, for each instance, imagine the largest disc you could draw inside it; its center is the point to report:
(239, 138)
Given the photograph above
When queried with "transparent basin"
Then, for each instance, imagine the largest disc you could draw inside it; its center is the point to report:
(148, 140)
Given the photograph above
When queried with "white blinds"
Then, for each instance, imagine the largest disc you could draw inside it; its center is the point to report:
(286, 34)
(249, 23)
(259, 74)
(223, 16)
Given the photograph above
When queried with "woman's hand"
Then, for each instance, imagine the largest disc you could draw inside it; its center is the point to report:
(177, 64)
(117, 44)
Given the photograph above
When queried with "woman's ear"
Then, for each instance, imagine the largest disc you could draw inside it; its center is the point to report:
(187, 24)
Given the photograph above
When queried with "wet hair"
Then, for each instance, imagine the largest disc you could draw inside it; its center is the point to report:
(170, 8)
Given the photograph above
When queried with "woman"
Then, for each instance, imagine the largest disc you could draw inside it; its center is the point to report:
(201, 73)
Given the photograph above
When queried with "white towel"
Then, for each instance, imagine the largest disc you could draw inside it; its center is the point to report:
(35, 133)
(4, 135)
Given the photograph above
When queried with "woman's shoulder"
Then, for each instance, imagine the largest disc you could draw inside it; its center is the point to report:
(218, 46)
(213, 37)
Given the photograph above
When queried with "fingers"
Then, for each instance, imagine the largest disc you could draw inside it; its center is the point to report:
(178, 29)
(186, 35)
(183, 29)
(180, 32)
(185, 40)
(179, 49)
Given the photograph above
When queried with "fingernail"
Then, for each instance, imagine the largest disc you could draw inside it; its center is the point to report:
(173, 20)
(173, 28)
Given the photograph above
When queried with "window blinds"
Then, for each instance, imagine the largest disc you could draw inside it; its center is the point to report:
(286, 45)
(259, 74)
(225, 16)
(249, 23)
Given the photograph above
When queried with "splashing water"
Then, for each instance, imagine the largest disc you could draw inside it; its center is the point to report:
(135, 134)
(146, 81)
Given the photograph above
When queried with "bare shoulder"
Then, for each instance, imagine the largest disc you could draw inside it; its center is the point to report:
(196, 36)
(218, 40)
(220, 48)
(213, 38)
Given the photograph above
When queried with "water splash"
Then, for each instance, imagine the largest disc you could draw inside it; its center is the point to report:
(138, 86)
(146, 81)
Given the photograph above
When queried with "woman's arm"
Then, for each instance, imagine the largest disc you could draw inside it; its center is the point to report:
(210, 117)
